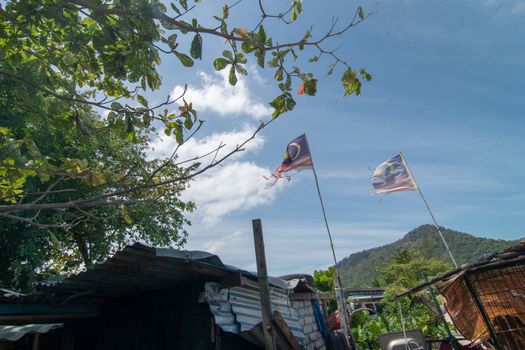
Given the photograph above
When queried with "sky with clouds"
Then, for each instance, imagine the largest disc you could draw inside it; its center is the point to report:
(447, 90)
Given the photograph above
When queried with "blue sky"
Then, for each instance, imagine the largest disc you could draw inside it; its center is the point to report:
(447, 90)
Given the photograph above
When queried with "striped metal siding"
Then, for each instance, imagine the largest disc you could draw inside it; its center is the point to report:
(238, 309)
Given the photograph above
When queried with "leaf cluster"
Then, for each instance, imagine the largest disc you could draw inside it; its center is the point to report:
(76, 119)
(404, 270)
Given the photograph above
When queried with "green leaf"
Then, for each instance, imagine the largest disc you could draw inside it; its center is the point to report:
(247, 47)
(310, 87)
(184, 59)
(240, 69)
(184, 4)
(279, 74)
(350, 82)
(365, 75)
(175, 8)
(274, 62)
(361, 13)
(142, 101)
(299, 6)
(165, 24)
(116, 106)
(261, 35)
(172, 41)
(228, 55)
(220, 63)
(188, 123)
(282, 103)
(260, 57)
(239, 57)
(232, 78)
(314, 59)
(178, 134)
(196, 47)
(225, 11)
(293, 16)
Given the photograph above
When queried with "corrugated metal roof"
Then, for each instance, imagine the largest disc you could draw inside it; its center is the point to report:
(238, 309)
(7, 295)
(13, 333)
(140, 268)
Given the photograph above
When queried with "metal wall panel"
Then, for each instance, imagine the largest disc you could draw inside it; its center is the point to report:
(238, 309)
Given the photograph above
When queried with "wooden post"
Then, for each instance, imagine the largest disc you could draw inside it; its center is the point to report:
(264, 288)
(36, 341)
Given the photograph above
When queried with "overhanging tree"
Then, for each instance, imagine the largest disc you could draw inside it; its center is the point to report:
(75, 123)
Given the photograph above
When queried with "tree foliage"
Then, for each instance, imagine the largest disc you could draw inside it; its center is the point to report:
(324, 282)
(324, 279)
(359, 269)
(404, 270)
(75, 181)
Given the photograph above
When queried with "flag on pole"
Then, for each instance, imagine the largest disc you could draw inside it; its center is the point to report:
(297, 157)
(392, 176)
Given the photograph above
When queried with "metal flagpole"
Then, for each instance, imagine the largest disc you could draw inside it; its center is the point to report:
(430, 211)
(343, 317)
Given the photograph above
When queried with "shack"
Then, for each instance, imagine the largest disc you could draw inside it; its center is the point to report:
(159, 298)
(486, 299)
(364, 299)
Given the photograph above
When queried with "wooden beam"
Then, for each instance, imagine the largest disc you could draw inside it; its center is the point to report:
(50, 309)
(233, 279)
(311, 296)
(37, 313)
(285, 331)
(264, 287)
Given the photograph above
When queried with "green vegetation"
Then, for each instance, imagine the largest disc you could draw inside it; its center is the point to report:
(324, 282)
(77, 114)
(403, 270)
(359, 269)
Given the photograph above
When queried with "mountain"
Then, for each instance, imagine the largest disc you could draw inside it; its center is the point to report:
(359, 269)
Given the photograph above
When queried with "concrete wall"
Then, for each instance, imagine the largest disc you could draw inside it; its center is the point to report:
(314, 339)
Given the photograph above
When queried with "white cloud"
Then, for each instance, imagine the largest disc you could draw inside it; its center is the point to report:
(234, 187)
(163, 146)
(217, 95)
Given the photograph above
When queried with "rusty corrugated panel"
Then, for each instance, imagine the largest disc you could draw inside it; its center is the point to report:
(502, 295)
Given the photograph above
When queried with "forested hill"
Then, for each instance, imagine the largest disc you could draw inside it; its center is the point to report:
(358, 270)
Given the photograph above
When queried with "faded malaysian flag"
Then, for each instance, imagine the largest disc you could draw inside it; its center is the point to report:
(297, 157)
(392, 176)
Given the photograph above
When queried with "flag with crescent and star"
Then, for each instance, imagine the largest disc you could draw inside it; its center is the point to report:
(392, 176)
(297, 157)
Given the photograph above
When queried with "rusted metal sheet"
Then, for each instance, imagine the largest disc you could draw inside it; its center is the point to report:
(501, 296)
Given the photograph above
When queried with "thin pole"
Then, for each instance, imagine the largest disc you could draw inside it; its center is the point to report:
(264, 288)
(428, 208)
(403, 326)
(337, 274)
(453, 340)
(483, 312)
